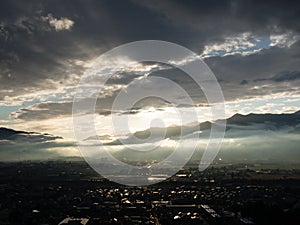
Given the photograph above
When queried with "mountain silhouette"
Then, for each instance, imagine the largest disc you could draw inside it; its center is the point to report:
(15, 135)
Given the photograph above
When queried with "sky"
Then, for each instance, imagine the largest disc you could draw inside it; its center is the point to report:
(252, 47)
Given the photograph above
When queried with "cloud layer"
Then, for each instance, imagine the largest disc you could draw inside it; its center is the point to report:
(35, 58)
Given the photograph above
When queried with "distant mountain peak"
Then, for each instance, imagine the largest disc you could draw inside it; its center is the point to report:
(7, 132)
(297, 112)
(279, 119)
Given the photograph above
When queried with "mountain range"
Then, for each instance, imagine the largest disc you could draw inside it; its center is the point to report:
(268, 137)
(250, 124)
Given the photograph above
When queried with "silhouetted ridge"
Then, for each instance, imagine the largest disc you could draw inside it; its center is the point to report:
(6, 132)
(278, 119)
(10, 134)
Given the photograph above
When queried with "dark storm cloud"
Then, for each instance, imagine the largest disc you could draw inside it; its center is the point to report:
(49, 110)
(243, 82)
(44, 111)
(224, 16)
(282, 77)
(268, 65)
(37, 55)
(289, 76)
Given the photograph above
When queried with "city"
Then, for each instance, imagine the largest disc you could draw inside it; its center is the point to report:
(72, 193)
